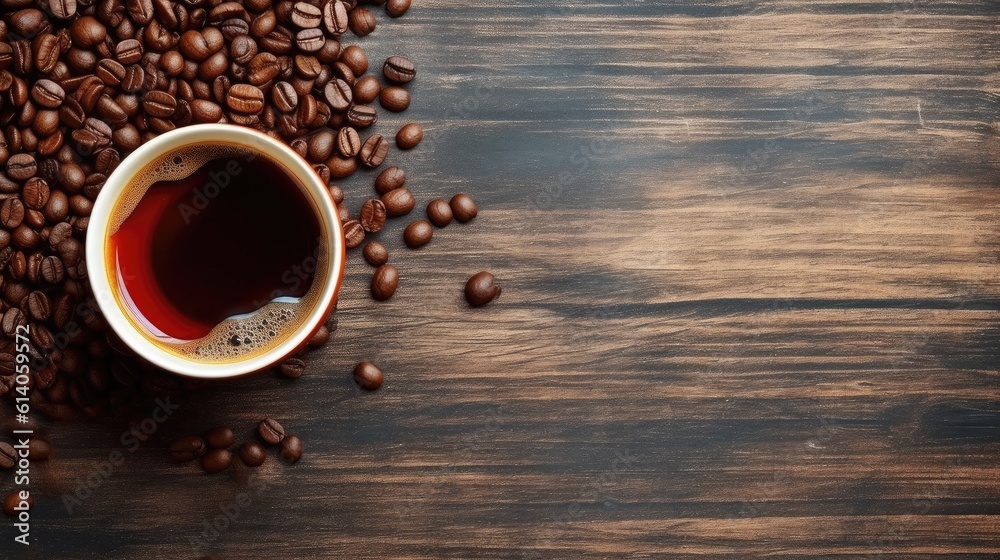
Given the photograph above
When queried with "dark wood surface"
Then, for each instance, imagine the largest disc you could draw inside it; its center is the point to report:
(749, 254)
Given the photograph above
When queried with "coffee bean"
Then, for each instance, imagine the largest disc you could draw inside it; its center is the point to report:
(270, 431)
(246, 99)
(39, 449)
(361, 21)
(12, 504)
(362, 116)
(375, 253)
(306, 15)
(399, 69)
(373, 151)
(384, 282)
(184, 449)
(390, 178)
(24, 237)
(439, 212)
(463, 207)
(356, 59)
(284, 97)
(51, 269)
(87, 32)
(320, 337)
(409, 136)
(368, 376)
(205, 111)
(221, 437)
(291, 449)
(338, 94)
(354, 233)
(341, 167)
(373, 215)
(35, 193)
(62, 9)
(8, 456)
(159, 104)
(417, 234)
(128, 52)
(337, 193)
(394, 98)
(141, 11)
(38, 306)
(252, 454)
(292, 368)
(28, 22)
(398, 202)
(46, 51)
(216, 460)
(366, 89)
(396, 8)
(348, 142)
(20, 167)
(335, 17)
(11, 213)
(309, 40)
(481, 289)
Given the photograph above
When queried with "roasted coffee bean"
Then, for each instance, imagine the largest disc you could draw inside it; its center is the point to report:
(243, 49)
(291, 449)
(21, 167)
(11, 213)
(12, 319)
(252, 454)
(320, 337)
(366, 89)
(390, 178)
(338, 94)
(409, 136)
(110, 71)
(368, 376)
(128, 52)
(292, 368)
(398, 202)
(354, 233)
(337, 193)
(159, 104)
(396, 8)
(356, 59)
(373, 215)
(13, 504)
(24, 237)
(87, 32)
(38, 306)
(270, 431)
(279, 41)
(373, 151)
(417, 234)
(481, 289)
(28, 22)
(335, 17)
(62, 9)
(463, 207)
(439, 212)
(46, 52)
(8, 456)
(375, 253)
(362, 116)
(344, 214)
(216, 460)
(309, 40)
(361, 21)
(35, 193)
(245, 98)
(172, 62)
(221, 437)
(186, 449)
(394, 98)
(284, 96)
(399, 69)
(39, 449)
(263, 24)
(205, 111)
(306, 15)
(51, 269)
(348, 142)
(384, 282)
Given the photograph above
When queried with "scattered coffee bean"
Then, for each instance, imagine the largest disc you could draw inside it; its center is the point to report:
(13, 503)
(252, 454)
(396, 8)
(348, 142)
(291, 449)
(216, 460)
(270, 431)
(221, 437)
(398, 202)
(409, 136)
(367, 89)
(417, 234)
(385, 280)
(394, 98)
(439, 212)
(8, 456)
(481, 289)
(399, 69)
(368, 376)
(320, 337)
(39, 449)
(292, 368)
(354, 233)
(356, 59)
(375, 253)
(463, 207)
(361, 21)
(186, 449)
(389, 179)
(373, 151)
(373, 215)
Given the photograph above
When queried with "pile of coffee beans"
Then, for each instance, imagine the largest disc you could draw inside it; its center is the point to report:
(214, 449)
(85, 82)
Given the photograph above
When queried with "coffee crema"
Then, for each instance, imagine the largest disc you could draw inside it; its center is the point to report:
(216, 252)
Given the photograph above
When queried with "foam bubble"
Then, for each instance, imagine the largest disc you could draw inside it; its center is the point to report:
(236, 338)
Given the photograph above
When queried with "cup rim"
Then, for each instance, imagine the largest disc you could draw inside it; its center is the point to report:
(97, 249)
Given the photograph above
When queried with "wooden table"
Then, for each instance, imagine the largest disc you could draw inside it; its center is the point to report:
(750, 309)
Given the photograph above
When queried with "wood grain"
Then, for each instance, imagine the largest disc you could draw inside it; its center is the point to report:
(749, 257)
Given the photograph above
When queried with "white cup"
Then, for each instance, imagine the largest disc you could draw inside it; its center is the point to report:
(102, 271)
